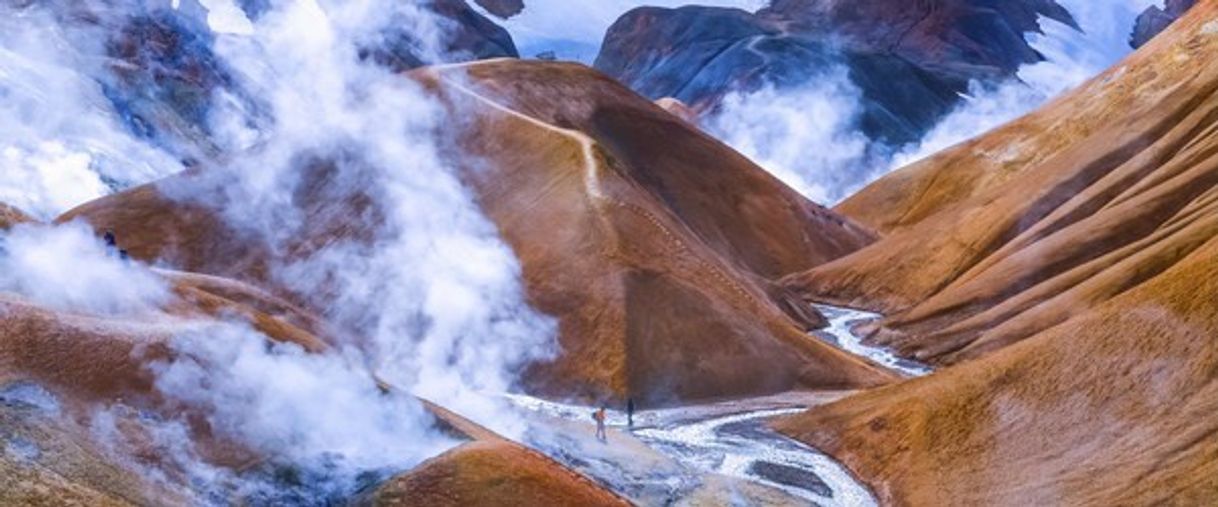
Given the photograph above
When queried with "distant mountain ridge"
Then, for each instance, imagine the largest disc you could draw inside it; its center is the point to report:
(911, 60)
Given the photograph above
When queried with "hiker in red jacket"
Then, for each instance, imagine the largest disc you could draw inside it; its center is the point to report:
(599, 416)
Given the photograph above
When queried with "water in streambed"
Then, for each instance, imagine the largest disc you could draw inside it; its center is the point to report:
(841, 334)
(715, 440)
(702, 440)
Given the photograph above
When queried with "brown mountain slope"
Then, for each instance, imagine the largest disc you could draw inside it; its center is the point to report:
(87, 361)
(1115, 407)
(653, 243)
(1046, 218)
(1110, 398)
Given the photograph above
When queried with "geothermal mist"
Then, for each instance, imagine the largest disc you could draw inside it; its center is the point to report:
(807, 136)
(427, 295)
(61, 144)
(434, 296)
(66, 268)
(1071, 57)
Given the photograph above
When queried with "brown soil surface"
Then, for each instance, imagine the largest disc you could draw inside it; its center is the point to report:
(653, 243)
(1072, 256)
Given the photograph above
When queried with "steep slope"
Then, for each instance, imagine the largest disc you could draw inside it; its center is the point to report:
(62, 371)
(1041, 220)
(1101, 260)
(653, 243)
(502, 8)
(1114, 407)
(910, 60)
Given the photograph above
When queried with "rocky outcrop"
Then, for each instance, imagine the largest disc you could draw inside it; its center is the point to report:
(678, 109)
(1155, 19)
(1072, 258)
(10, 216)
(504, 9)
(654, 244)
(465, 35)
(910, 60)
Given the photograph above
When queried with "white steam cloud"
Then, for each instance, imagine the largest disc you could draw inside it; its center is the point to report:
(436, 297)
(67, 268)
(294, 406)
(431, 295)
(1071, 58)
(60, 141)
(323, 414)
(805, 135)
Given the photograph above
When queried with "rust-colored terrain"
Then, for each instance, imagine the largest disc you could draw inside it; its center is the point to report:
(654, 244)
(1061, 272)
(1068, 262)
(85, 362)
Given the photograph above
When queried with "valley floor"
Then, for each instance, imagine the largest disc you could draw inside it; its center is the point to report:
(719, 450)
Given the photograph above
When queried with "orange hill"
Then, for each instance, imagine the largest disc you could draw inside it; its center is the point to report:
(1073, 256)
(491, 474)
(653, 243)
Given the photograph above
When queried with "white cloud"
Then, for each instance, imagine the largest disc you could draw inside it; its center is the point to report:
(67, 268)
(60, 141)
(1071, 58)
(806, 137)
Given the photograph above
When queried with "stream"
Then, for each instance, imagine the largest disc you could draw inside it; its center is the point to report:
(840, 334)
(685, 454)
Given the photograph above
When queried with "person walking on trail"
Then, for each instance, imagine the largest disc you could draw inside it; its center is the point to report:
(630, 413)
(599, 416)
(111, 241)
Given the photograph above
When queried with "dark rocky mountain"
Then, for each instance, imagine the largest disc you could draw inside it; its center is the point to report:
(1155, 19)
(467, 36)
(502, 8)
(911, 61)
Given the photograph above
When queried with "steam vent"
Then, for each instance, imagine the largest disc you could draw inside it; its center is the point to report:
(832, 253)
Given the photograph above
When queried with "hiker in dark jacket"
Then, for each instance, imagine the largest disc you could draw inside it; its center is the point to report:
(630, 412)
